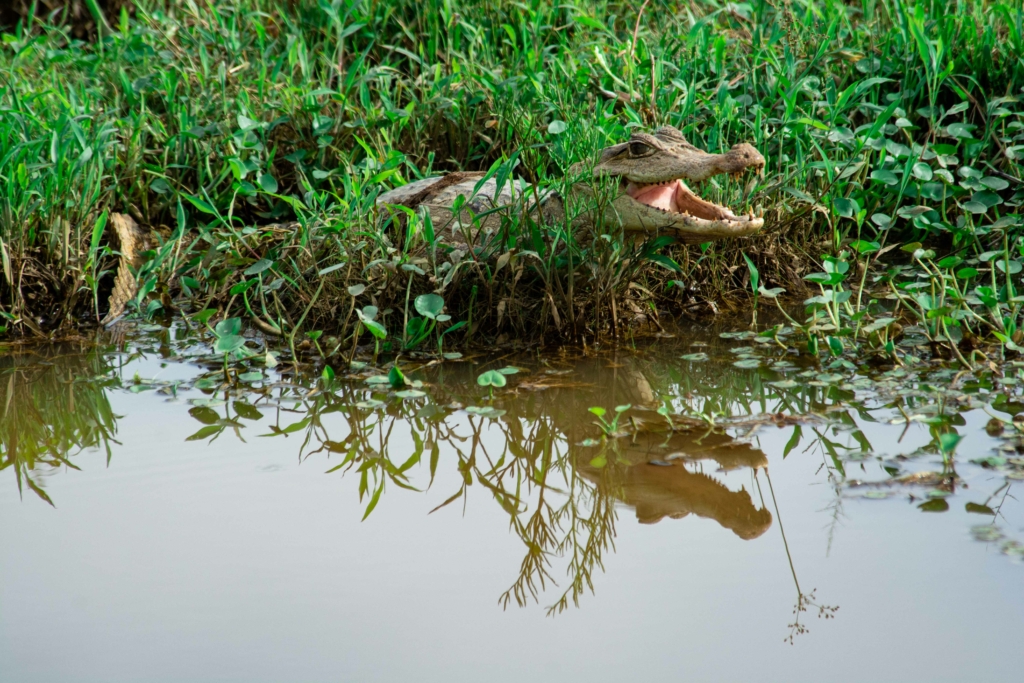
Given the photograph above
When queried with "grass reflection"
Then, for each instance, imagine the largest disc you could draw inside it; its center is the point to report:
(536, 454)
(533, 447)
(54, 405)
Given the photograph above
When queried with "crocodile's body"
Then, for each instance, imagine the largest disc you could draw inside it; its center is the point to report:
(637, 185)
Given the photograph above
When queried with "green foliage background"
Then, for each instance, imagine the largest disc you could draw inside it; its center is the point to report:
(210, 118)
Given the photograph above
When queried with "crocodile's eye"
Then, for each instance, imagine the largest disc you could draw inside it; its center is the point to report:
(639, 149)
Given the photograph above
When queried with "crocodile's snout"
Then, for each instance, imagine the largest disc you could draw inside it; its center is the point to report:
(748, 157)
(652, 169)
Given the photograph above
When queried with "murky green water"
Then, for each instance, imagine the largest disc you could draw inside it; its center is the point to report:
(778, 522)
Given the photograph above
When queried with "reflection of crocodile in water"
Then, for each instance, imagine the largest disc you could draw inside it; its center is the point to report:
(657, 491)
(649, 196)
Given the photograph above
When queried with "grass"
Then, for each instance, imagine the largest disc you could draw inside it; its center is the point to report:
(254, 136)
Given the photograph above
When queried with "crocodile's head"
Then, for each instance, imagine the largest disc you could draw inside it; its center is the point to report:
(650, 170)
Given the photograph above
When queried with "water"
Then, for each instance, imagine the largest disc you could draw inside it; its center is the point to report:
(213, 531)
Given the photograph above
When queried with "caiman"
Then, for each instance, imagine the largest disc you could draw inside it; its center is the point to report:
(647, 197)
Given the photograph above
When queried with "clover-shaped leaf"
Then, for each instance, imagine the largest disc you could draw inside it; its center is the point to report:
(491, 378)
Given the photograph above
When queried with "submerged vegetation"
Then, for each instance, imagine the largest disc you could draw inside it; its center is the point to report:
(251, 138)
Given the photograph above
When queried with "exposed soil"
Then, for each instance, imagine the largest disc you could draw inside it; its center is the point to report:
(72, 13)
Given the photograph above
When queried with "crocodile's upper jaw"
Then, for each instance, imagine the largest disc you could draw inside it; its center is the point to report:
(653, 196)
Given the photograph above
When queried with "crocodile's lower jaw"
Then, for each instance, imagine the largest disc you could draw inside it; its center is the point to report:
(673, 206)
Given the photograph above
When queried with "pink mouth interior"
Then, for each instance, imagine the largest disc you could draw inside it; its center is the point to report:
(674, 197)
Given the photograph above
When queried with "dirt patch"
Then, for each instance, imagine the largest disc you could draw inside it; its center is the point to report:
(74, 14)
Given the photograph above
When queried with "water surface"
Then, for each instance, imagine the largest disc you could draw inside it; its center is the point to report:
(789, 521)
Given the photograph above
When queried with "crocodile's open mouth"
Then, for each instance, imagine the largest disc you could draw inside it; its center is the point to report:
(674, 197)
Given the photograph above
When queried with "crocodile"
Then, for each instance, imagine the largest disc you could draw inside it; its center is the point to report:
(644, 178)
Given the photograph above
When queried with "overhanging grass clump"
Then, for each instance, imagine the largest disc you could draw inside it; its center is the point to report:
(209, 121)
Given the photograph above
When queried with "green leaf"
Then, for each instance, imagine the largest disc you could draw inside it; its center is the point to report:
(948, 442)
(245, 123)
(922, 171)
(97, 232)
(881, 220)
(228, 327)
(934, 505)
(695, 357)
(259, 267)
(429, 305)
(204, 315)
(242, 287)
(508, 370)
(960, 130)
(665, 262)
(793, 442)
(491, 378)
(1015, 266)
(300, 425)
(557, 127)
(247, 411)
(979, 509)
(330, 269)
(884, 176)
(847, 208)
(375, 328)
(988, 198)
(268, 183)
(373, 501)
(410, 393)
(597, 410)
(254, 376)
(205, 433)
(370, 404)
(865, 247)
(203, 206)
(229, 343)
(835, 345)
(396, 378)
(755, 276)
(994, 183)
(208, 416)
(747, 363)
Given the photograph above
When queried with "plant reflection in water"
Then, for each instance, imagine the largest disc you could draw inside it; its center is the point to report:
(690, 434)
(536, 454)
(54, 405)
